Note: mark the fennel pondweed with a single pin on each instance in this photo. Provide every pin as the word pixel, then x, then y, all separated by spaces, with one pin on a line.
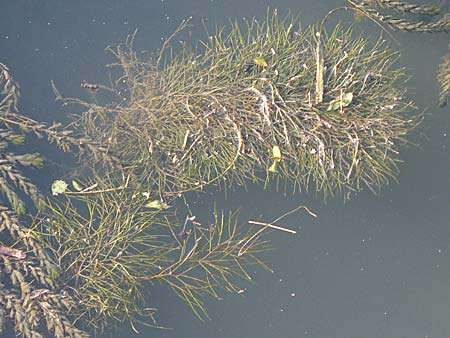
pixel 204 116
pixel 109 245
pixel 330 104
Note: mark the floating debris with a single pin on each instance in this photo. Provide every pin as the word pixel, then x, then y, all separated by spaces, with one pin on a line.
pixel 4 250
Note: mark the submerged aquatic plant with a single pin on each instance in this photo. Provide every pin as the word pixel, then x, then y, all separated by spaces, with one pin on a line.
pixel 13 127
pixel 30 297
pixel 373 9
pixel 370 9
pixel 444 80
pixel 209 257
pixel 256 101
pixel 12 178
pixel 332 102
pixel 101 242
pixel 109 244
pixel 86 259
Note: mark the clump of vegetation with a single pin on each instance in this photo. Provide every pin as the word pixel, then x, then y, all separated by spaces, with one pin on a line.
pixel 86 259
pixel 258 101
pixel 422 23
pixel 444 80
pixel 330 102
pixel 111 240
pixel 376 10
pixel 30 296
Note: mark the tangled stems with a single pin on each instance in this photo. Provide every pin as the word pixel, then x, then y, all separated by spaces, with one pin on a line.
pixel 213 115
pixel 109 244
pixel 444 80
pixel 12 128
pixel 30 295
pixel 325 107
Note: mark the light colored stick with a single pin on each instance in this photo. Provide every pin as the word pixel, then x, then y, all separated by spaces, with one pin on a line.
pixel 273 226
pixel 7 251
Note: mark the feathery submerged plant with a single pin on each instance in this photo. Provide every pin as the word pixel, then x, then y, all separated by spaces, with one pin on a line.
pixel 375 10
pixel 12 178
pixel 30 297
pixel 444 80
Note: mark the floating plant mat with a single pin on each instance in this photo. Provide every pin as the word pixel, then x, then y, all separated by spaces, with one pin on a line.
pixel 332 103
pixel 110 242
pixel 258 101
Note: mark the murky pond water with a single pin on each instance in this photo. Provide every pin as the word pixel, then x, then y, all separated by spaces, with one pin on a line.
pixel 374 266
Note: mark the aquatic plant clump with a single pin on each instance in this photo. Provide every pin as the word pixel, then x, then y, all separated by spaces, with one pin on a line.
pixel 375 10
pixel 444 80
pixel 331 102
pixel 101 242
pixel 111 240
pixel 32 303
pixel 13 181
pixel 30 297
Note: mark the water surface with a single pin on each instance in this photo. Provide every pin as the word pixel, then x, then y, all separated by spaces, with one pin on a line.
pixel 375 266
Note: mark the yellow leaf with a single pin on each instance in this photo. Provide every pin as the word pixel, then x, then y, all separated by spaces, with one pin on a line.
pixel 276 153
pixel 156 204
pixel 260 61
pixel 343 101
pixel 76 185
pixel 273 168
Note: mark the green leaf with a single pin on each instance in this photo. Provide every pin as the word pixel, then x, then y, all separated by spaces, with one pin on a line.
pixel 274 168
pixel 20 209
pixel 37 161
pixel 347 99
pixel 435 10
pixel 17 139
pixel 334 105
pixel 59 187
pixel 76 185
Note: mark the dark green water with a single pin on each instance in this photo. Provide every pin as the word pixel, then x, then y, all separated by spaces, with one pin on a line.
pixel 375 266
